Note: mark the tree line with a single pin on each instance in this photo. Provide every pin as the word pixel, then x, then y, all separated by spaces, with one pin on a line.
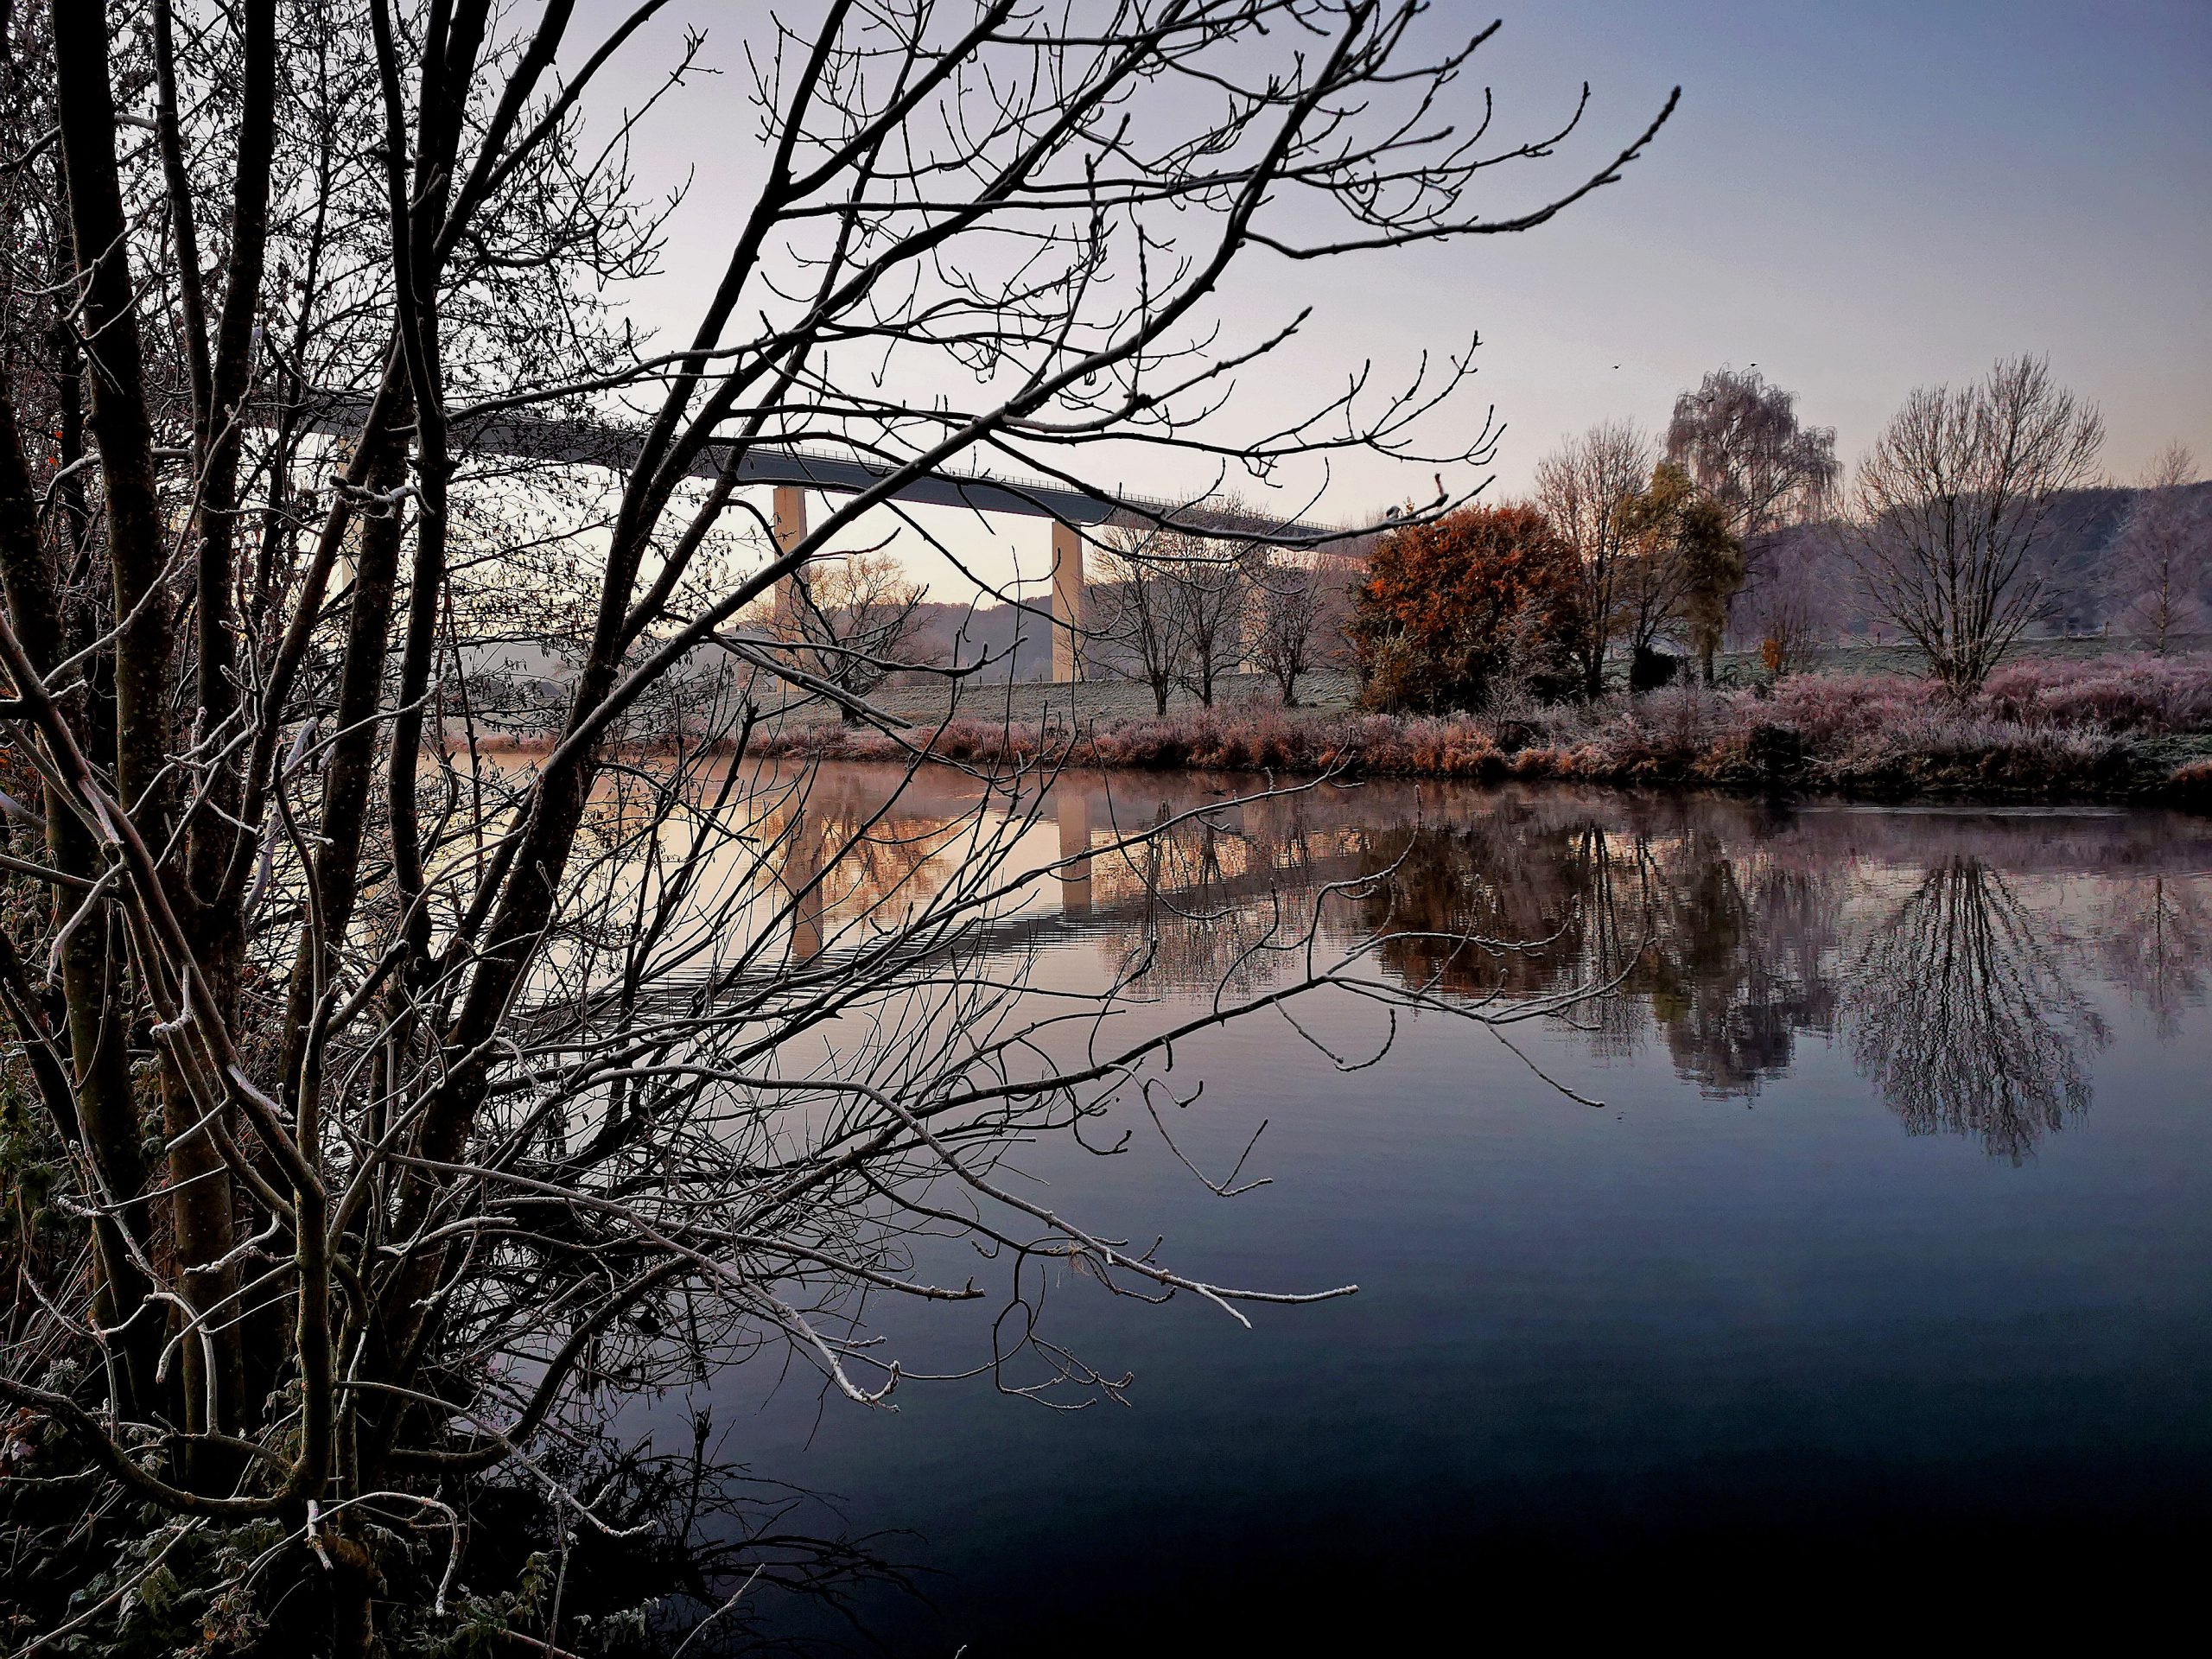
pixel 1648 555
pixel 1636 558
pixel 1175 609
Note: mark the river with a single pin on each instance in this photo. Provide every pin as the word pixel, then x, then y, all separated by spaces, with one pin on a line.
pixel 1854 1238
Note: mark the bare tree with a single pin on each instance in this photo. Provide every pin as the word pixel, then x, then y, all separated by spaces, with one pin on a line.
pixel 1739 439
pixel 2157 567
pixel 1211 591
pixel 398 1097
pixel 1172 607
pixel 856 618
pixel 1585 487
pixel 1952 499
pixel 1135 622
pixel 1293 605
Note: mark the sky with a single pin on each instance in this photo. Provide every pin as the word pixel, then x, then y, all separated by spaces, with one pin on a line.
pixel 1856 196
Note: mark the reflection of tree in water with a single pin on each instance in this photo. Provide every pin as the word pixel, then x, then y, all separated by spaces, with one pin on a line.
pixel 1726 943
pixel 1540 891
pixel 1963 1017
pixel 1727 952
pixel 1742 961
pixel 1721 930
pixel 2156 940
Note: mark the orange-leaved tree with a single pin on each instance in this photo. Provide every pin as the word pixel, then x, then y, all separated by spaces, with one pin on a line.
pixel 1454 609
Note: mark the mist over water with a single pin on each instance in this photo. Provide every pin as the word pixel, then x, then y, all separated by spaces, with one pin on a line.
pixel 1863 1218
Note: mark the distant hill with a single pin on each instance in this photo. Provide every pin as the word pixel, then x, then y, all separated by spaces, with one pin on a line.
pixel 2070 556
pixel 1012 641
pixel 1809 562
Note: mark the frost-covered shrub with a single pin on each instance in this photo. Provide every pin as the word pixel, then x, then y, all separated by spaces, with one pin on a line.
pixel 2151 695
pixel 2037 728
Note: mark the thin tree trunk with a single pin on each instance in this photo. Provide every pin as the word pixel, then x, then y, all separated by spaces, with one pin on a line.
pixel 92 971
pixel 120 421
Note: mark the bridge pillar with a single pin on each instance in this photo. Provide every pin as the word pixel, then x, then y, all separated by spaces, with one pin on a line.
pixel 789 518
pixel 1067 603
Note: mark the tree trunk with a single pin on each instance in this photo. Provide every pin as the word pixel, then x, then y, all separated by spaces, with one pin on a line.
pixel 92 966
pixel 120 421
pixel 91 970
pixel 353 1590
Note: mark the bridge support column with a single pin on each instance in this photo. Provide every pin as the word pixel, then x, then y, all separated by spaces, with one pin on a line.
pixel 789 514
pixel 1067 603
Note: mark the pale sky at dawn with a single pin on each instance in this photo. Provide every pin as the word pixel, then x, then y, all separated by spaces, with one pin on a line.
pixel 1856 195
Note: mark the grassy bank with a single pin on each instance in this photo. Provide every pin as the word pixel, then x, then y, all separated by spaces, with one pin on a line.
pixel 2112 728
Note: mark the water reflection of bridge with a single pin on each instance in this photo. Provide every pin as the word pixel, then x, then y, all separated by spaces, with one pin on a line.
pixel 1951 956
pixel 1214 857
pixel 1122 856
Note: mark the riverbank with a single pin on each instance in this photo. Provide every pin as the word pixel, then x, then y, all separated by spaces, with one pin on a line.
pixel 2114 729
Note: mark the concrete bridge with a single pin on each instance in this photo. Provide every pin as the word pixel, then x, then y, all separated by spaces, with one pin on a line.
pixel 793 472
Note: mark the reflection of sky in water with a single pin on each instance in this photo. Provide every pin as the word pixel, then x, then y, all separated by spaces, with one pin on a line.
pixel 1615 1337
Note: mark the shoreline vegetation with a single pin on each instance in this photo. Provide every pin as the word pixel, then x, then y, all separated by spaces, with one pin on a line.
pixel 2116 729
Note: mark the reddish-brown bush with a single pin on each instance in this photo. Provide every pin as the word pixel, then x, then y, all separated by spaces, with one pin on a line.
pixel 1450 608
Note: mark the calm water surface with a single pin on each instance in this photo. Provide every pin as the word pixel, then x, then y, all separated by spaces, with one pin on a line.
pixel 1879 1275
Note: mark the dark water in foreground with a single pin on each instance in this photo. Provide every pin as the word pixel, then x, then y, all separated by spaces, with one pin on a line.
pixel 1879 1281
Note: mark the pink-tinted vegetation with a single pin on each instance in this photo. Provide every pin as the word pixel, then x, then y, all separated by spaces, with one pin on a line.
pixel 2047 729
pixel 2154 696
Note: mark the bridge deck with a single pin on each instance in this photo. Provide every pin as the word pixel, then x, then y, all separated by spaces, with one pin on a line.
pixel 614 445
pixel 793 470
